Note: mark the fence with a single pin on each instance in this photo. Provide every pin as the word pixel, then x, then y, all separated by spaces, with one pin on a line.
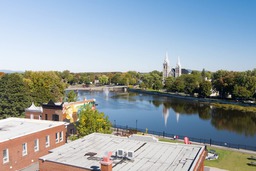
pixel 126 130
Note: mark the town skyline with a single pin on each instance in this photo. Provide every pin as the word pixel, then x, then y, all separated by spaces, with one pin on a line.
pixel 109 36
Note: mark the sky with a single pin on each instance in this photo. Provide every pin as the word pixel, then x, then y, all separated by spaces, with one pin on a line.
pixel 127 35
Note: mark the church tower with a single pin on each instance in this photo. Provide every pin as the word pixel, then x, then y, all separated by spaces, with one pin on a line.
pixel 166 68
pixel 178 68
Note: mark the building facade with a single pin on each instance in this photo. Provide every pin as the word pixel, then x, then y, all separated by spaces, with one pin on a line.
pixel 23 141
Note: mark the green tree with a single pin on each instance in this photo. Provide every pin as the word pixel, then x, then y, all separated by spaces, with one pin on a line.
pixel 168 83
pixel 191 82
pixel 44 86
pixel 205 89
pixel 14 96
pixel 103 79
pixel 241 92
pixel 116 79
pixel 178 85
pixel 92 121
pixel 71 96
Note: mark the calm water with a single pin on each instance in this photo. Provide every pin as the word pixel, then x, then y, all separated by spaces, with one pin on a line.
pixel 176 116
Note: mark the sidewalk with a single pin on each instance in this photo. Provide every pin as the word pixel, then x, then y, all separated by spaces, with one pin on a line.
pixel 207 168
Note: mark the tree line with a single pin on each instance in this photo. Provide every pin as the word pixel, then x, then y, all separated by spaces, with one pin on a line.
pixel 238 85
pixel 19 90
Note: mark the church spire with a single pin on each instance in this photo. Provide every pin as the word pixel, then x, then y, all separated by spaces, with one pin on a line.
pixel 166 69
pixel 166 58
pixel 178 68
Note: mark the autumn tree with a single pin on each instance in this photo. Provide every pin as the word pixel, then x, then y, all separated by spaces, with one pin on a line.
pixel 92 121
pixel 44 86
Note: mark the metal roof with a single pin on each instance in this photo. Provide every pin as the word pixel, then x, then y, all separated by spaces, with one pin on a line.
pixel 11 128
pixel 148 155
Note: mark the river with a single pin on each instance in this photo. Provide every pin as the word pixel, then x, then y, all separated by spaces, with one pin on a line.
pixel 176 116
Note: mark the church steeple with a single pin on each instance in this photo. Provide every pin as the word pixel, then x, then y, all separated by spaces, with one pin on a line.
pixel 166 69
pixel 178 68
pixel 166 58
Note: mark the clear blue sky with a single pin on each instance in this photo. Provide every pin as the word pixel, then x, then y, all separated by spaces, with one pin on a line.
pixel 123 35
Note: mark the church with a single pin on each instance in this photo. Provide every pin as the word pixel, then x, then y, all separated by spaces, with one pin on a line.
pixel 172 72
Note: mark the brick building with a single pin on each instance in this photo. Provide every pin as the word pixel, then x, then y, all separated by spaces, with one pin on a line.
pixel 60 111
pixel 23 141
pixel 109 152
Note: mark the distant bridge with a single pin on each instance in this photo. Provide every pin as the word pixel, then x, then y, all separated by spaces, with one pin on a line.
pixel 100 88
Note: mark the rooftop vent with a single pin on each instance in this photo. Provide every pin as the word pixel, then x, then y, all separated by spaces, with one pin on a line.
pixel 130 155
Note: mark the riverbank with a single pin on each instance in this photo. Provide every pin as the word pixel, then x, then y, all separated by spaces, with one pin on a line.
pixel 219 103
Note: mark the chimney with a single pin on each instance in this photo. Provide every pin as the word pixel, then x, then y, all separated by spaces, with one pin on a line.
pixel 106 163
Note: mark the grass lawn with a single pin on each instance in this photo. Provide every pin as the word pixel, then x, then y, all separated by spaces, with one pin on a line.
pixel 231 160
pixel 228 159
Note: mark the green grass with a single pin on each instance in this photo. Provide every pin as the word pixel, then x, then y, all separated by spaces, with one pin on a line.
pixel 228 159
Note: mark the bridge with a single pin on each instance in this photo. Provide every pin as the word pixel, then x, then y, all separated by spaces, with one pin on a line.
pixel 98 88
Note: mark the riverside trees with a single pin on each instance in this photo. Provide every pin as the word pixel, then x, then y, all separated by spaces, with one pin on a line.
pixel 92 121
pixel 19 90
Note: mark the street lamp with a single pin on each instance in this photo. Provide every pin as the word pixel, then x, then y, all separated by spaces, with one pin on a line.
pixel 136 124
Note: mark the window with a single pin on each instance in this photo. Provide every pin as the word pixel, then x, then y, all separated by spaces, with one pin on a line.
pixel 47 141
pixel 55 117
pixel 36 144
pixel 46 117
pixel 5 156
pixel 57 137
pixel 24 149
pixel 61 136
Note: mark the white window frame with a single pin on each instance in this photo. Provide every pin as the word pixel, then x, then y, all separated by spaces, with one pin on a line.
pixel 36 145
pixel 5 155
pixel 57 137
pixel 47 141
pixel 61 136
pixel 24 149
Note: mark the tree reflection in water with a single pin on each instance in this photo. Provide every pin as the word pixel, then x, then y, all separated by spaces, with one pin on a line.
pixel 231 120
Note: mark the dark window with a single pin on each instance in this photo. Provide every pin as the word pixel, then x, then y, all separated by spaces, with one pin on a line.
pixel 46 117
pixel 55 117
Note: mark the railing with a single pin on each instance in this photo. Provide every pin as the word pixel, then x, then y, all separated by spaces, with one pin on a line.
pixel 126 130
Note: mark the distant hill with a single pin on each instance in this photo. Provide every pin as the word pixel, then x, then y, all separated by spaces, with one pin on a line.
pixel 10 71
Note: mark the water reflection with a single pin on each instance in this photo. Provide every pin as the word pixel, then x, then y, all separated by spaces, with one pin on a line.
pixel 242 123
pixel 192 118
pixel 177 117
pixel 165 115
pixel 235 121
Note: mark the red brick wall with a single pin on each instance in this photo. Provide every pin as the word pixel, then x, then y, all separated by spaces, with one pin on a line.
pixel 50 112
pixel 200 162
pixel 51 166
pixel 36 114
pixel 16 160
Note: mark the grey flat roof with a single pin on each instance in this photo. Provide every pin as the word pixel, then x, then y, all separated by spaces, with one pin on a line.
pixel 11 128
pixel 147 155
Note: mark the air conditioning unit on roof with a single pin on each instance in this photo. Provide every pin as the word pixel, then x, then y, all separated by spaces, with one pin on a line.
pixel 130 155
pixel 120 153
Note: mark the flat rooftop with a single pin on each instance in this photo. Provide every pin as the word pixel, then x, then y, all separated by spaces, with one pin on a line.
pixel 11 128
pixel 148 155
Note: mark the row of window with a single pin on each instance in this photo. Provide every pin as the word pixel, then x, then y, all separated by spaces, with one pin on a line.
pixel 58 138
